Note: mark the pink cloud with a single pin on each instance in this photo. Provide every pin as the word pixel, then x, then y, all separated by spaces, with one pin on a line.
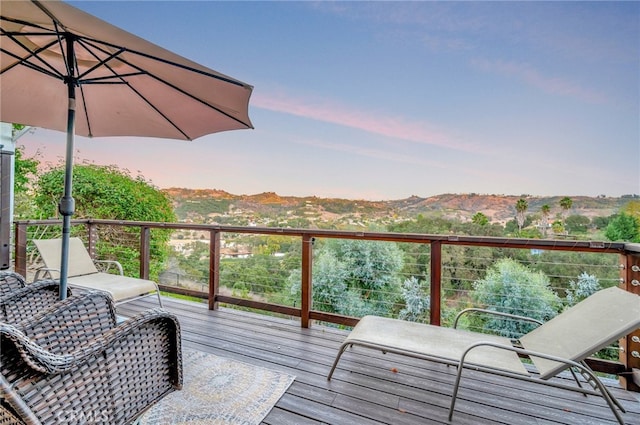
pixel 531 76
pixel 385 125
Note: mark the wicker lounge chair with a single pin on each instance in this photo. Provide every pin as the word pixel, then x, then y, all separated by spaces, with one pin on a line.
pixel 557 345
pixel 83 273
pixel 71 363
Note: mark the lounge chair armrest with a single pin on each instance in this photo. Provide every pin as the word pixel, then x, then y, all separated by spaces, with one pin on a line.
pixel 105 265
pixel 520 351
pixel 44 272
pixel 494 313
pixel 129 335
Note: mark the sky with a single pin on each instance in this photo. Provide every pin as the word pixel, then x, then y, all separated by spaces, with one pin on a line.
pixel 385 100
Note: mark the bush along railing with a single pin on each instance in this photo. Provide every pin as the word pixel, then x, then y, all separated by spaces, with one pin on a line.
pixel 336 277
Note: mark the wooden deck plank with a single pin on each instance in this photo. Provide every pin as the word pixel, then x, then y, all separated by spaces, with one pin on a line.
pixel 369 387
pixel 279 416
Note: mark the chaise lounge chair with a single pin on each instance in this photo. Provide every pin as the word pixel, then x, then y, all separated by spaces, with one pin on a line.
pixel 83 273
pixel 72 363
pixel 562 343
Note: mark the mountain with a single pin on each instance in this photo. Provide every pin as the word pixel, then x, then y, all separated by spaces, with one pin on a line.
pixel 213 205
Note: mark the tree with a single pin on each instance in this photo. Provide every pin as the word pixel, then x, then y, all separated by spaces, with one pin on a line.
pixel 632 208
pixel 577 224
pixel 354 277
pixel 557 227
pixel 106 192
pixel 329 283
pixel 510 287
pixel 545 210
pixel 373 269
pixel 480 219
pixel 601 222
pixel 416 301
pixel 623 227
pixel 260 274
pixel 566 203
pixel 26 170
pixel 521 209
pixel 585 286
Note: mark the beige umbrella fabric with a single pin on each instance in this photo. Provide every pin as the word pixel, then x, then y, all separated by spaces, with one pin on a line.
pixel 64 69
pixel 127 85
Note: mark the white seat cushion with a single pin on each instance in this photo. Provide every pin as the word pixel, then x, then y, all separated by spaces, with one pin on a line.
pixel 120 287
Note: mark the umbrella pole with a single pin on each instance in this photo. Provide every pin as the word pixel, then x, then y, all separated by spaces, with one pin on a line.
pixel 67 203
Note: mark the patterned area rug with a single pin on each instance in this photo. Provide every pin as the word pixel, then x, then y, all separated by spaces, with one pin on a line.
pixel 219 391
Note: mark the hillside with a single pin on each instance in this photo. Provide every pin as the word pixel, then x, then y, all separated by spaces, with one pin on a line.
pixel 213 205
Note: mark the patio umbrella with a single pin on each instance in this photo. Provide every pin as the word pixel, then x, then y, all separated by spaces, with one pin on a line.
pixel 64 69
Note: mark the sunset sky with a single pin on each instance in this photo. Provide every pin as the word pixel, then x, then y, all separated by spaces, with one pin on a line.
pixel 384 100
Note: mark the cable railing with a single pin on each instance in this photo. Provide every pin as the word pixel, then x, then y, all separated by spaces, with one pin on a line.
pixel 336 277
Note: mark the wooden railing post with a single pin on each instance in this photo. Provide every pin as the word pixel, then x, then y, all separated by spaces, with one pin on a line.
pixel 21 249
pixel 630 345
pixel 145 250
pixel 307 255
pixel 436 282
pixel 214 269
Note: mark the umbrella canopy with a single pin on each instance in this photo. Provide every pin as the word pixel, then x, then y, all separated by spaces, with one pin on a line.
pixel 63 69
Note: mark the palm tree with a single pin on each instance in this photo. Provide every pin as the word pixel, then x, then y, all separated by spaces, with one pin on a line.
pixel 544 223
pixel 521 208
pixel 566 203
pixel 480 219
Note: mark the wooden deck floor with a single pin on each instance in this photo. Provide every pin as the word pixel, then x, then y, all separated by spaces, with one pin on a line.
pixel 373 388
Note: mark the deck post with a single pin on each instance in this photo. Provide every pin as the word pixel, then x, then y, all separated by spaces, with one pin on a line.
pixel 307 253
pixel 630 345
pixel 436 282
pixel 21 249
pixel 214 269
pixel 145 250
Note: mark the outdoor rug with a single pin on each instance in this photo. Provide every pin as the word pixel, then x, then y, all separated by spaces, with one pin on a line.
pixel 219 391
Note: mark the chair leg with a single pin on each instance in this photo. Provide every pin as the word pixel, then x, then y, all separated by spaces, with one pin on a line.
pixel 454 396
pixel 342 349
pixel 611 400
pixel 575 378
pixel 590 375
